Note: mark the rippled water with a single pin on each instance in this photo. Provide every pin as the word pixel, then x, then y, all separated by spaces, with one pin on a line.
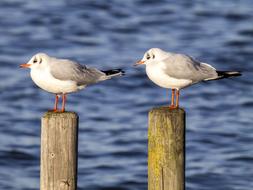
pixel 113 114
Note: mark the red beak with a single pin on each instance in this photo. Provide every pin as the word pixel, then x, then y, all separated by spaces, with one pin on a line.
pixel 25 65
pixel 139 63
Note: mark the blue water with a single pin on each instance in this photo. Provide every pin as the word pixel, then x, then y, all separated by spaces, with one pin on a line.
pixel 113 114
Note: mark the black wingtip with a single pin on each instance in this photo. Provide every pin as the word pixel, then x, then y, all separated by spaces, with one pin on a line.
pixel 114 71
pixel 228 74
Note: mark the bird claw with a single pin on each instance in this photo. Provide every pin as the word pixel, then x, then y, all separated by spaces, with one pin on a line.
pixel 172 107
pixel 54 110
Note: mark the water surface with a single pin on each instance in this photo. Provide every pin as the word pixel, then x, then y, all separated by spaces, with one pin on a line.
pixel 113 114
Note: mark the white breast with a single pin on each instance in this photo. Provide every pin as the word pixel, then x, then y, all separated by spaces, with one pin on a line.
pixel 159 77
pixel 44 79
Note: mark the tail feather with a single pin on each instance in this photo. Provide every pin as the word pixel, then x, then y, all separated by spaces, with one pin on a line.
pixel 225 74
pixel 114 72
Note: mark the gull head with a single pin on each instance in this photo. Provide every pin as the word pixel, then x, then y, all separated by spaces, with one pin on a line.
pixel 152 55
pixel 40 60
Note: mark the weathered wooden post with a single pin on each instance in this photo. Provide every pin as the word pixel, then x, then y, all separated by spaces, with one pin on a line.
pixel 166 149
pixel 59 136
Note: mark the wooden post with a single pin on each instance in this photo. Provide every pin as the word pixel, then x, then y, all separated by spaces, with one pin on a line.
pixel 166 149
pixel 58 169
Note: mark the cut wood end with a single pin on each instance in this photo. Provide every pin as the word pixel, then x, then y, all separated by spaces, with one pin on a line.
pixel 166 109
pixel 66 114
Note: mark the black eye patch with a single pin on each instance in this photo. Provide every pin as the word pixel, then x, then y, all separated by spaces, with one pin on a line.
pixel 148 56
pixel 37 60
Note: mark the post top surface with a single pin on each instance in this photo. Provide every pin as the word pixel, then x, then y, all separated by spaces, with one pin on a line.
pixel 166 109
pixel 66 114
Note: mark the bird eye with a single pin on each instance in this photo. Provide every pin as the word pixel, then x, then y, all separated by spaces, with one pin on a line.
pixel 148 56
pixel 35 60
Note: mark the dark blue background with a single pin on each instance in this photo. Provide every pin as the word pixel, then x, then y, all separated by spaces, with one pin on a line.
pixel 113 114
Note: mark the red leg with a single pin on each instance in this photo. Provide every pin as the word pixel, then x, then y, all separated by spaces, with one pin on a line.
pixel 64 96
pixel 56 103
pixel 172 105
pixel 177 99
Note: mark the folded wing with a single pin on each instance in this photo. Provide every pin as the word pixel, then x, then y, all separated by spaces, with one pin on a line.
pixel 181 66
pixel 64 69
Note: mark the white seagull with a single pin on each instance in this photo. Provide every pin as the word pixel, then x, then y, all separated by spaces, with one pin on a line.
pixel 63 76
pixel 176 71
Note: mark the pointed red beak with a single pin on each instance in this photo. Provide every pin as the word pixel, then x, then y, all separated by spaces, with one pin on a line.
pixel 25 65
pixel 139 63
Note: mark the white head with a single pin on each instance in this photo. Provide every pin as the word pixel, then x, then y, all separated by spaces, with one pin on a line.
pixel 153 55
pixel 40 60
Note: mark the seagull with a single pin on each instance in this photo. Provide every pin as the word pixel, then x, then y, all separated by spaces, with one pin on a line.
pixel 177 71
pixel 63 76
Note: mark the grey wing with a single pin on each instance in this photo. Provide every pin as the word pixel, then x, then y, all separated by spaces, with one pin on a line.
pixel 64 69
pixel 181 66
pixel 93 75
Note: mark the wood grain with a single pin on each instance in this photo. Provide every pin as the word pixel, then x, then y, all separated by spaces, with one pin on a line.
pixel 166 149
pixel 59 137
